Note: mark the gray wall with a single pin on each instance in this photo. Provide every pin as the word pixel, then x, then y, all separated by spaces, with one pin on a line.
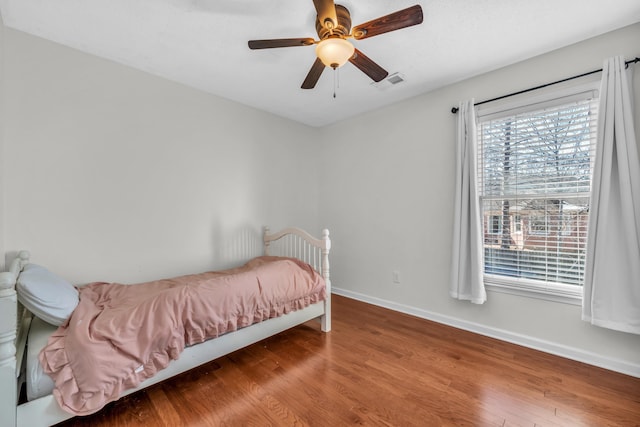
pixel 387 196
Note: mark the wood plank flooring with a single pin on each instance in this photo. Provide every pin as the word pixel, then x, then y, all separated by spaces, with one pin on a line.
pixel 382 368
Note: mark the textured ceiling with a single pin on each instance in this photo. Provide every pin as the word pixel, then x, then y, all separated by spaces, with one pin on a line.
pixel 203 43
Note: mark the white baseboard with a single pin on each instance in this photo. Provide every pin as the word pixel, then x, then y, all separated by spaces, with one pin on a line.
pixel 572 353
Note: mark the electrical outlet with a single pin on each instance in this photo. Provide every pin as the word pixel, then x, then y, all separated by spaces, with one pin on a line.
pixel 395 274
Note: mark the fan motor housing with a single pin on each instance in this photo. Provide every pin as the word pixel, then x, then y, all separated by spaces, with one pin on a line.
pixel 343 28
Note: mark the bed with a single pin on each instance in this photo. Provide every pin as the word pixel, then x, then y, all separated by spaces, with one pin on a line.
pixel 23 335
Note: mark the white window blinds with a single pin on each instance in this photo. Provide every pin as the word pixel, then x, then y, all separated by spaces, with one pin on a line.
pixel 534 179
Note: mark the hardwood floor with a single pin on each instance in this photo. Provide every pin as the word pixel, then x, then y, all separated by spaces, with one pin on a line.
pixel 382 368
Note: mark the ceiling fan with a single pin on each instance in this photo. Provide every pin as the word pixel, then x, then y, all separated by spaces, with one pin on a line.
pixel 333 25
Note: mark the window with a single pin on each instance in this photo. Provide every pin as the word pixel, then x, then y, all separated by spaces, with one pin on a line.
pixel 538 224
pixel 517 224
pixel 534 176
pixel 495 226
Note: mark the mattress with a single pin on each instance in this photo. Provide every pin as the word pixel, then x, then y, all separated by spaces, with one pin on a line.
pixel 38 383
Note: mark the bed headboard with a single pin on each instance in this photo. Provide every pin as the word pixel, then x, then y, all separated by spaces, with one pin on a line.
pixel 10 310
pixel 297 243
pixel 10 323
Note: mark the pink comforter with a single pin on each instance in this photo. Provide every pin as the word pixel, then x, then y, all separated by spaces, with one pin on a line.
pixel 120 335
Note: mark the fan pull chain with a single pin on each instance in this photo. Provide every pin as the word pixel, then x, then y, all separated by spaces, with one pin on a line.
pixel 334 82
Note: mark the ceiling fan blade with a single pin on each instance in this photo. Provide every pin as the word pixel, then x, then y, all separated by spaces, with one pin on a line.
pixel 368 67
pixel 314 75
pixel 268 44
pixel 327 15
pixel 394 21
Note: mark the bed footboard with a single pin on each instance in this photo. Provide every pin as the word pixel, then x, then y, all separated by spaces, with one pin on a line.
pixel 297 243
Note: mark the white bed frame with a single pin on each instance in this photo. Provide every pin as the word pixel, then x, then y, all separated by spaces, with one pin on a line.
pixel 15 322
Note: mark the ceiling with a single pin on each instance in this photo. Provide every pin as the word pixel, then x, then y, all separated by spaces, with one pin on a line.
pixel 203 44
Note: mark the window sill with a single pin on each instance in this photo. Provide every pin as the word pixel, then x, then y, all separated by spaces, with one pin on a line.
pixel 522 288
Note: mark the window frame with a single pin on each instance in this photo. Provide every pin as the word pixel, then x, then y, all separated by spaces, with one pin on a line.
pixel 551 291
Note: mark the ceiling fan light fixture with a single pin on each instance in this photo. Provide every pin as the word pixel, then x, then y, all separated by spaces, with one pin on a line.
pixel 334 52
pixel 333 26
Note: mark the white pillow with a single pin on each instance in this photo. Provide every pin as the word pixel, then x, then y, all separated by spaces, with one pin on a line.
pixel 46 295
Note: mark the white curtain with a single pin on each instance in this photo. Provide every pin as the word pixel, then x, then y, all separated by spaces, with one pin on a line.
pixel 612 276
pixel 466 275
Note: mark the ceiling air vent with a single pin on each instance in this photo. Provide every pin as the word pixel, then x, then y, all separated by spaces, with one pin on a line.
pixel 395 78
pixel 391 80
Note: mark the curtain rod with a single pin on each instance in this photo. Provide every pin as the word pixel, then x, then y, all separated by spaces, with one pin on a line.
pixel 454 110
